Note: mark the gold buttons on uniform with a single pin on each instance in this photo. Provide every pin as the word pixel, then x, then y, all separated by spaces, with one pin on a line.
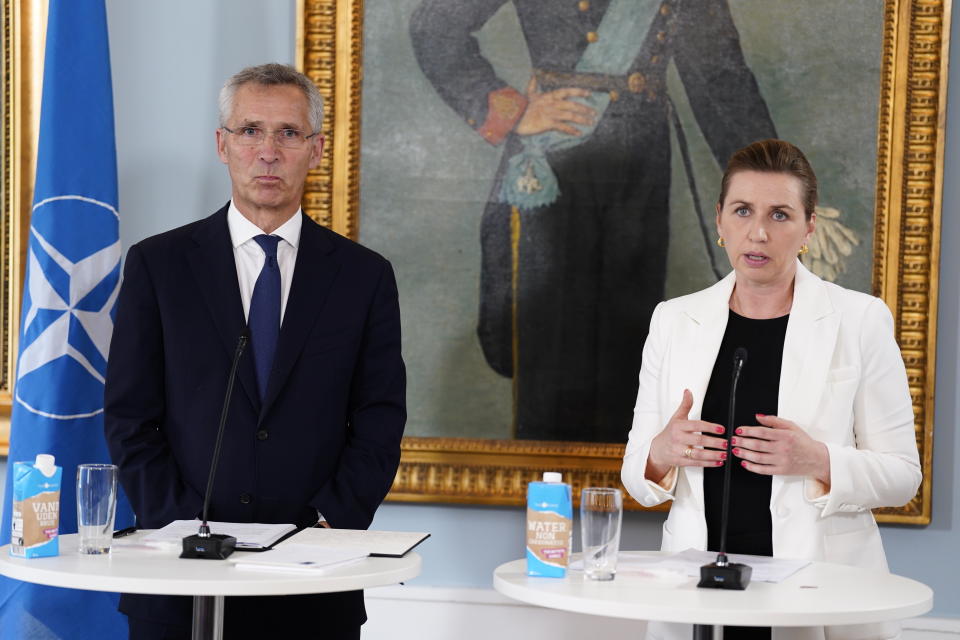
pixel 636 82
pixel 592 36
pixel 584 5
pixel 471 122
pixel 614 95
pixel 664 9
pixel 661 36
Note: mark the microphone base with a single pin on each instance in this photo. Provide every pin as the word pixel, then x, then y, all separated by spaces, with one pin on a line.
pixel 213 547
pixel 732 576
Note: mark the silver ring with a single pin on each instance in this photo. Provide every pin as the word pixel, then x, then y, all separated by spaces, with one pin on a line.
pixel 688 452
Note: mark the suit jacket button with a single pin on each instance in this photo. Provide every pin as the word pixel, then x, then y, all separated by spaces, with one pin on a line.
pixel 262 434
pixel 245 498
pixel 584 5
pixel 592 36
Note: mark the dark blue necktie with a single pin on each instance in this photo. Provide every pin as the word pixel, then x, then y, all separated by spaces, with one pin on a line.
pixel 264 317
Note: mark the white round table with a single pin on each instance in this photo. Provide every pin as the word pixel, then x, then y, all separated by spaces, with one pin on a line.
pixel 819 594
pixel 135 568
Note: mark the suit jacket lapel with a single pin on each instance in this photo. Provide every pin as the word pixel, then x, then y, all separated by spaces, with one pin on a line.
pixel 807 353
pixel 706 317
pixel 314 273
pixel 213 265
pixel 807 349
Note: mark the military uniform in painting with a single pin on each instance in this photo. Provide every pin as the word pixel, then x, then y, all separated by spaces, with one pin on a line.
pixel 567 289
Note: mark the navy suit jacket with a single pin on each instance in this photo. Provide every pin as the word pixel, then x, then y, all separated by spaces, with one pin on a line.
pixel 326 436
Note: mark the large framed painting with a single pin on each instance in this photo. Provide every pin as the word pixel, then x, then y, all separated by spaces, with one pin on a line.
pixel 526 281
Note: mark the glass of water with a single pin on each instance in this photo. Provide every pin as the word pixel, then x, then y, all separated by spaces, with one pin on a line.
pixel 601 511
pixel 96 506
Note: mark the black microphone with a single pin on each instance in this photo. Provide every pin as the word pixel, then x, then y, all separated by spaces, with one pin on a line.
pixel 203 544
pixel 724 574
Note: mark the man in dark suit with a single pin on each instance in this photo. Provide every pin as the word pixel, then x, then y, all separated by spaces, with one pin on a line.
pixel 314 427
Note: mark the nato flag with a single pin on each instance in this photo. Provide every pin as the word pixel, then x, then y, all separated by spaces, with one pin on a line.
pixel 72 280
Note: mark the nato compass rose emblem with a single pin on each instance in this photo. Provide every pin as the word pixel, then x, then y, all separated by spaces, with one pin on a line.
pixel 73 277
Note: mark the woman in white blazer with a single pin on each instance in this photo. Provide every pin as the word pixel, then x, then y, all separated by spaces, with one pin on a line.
pixel 840 439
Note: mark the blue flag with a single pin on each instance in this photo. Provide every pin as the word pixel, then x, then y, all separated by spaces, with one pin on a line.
pixel 72 281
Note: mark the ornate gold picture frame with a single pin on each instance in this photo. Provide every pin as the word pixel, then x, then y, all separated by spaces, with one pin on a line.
pixel 910 150
pixel 23 28
pixel 480 471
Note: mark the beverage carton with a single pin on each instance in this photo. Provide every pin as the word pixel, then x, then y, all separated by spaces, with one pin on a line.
pixel 36 508
pixel 549 526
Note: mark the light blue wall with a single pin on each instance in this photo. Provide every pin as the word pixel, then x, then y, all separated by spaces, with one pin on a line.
pixel 169 59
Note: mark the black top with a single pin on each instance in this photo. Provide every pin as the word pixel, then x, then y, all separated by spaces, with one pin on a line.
pixel 749 529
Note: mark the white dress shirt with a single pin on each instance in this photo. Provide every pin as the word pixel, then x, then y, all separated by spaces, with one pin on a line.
pixel 250 257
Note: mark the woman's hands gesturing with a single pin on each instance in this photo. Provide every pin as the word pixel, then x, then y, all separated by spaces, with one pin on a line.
pixel 685 443
pixel 779 447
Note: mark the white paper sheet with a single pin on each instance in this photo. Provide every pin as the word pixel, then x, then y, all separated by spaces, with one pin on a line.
pixel 380 543
pixel 249 535
pixel 300 558
pixel 686 564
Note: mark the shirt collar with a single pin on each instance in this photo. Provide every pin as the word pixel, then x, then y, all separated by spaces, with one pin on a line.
pixel 242 230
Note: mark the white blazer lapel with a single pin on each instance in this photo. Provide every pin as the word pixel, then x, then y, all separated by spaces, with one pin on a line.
pixel 807 353
pixel 696 350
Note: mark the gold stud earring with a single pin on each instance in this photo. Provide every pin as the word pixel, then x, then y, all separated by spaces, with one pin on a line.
pixel 720 242
pixel 804 249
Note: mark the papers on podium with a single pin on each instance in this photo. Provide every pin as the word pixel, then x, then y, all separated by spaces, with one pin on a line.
pixel 319 549
pixel 251 536
pixel 384 544
pixel 299 558
pixel 678 567
pixel 765 568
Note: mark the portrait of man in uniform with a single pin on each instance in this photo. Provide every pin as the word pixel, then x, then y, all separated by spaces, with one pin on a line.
pixel 544 173
pixel 575 233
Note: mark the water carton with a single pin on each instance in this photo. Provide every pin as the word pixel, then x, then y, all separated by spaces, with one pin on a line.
pixel 549 526
pixel 36 508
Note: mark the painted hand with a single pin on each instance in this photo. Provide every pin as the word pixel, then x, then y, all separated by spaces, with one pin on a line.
pixel 554 111
pixel 780 447
pixel 685 443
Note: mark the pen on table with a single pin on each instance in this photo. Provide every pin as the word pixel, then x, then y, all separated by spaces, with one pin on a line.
pixel 124 532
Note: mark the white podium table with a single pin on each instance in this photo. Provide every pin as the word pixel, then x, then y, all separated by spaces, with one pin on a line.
pixel 133 568
pixel 819 594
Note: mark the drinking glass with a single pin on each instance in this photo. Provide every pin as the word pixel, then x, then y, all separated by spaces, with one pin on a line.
pixel 96 506
pixel 601 511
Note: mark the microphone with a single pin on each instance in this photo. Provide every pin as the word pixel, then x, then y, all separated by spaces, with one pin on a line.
pixel 724 574
pixel 204 544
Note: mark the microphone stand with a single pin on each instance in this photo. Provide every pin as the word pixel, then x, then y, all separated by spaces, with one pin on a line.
pixel 724 574
pixel 204 544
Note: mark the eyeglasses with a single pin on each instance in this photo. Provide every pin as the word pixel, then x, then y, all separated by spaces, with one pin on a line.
pixel 254 137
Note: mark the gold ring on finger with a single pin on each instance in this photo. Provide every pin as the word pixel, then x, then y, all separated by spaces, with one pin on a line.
pixel 688 452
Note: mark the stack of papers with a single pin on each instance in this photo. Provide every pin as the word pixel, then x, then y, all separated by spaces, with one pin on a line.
pixel 251 536
pixel 686 564
pixel 300 558
pixel 765 568
pixel 384 544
